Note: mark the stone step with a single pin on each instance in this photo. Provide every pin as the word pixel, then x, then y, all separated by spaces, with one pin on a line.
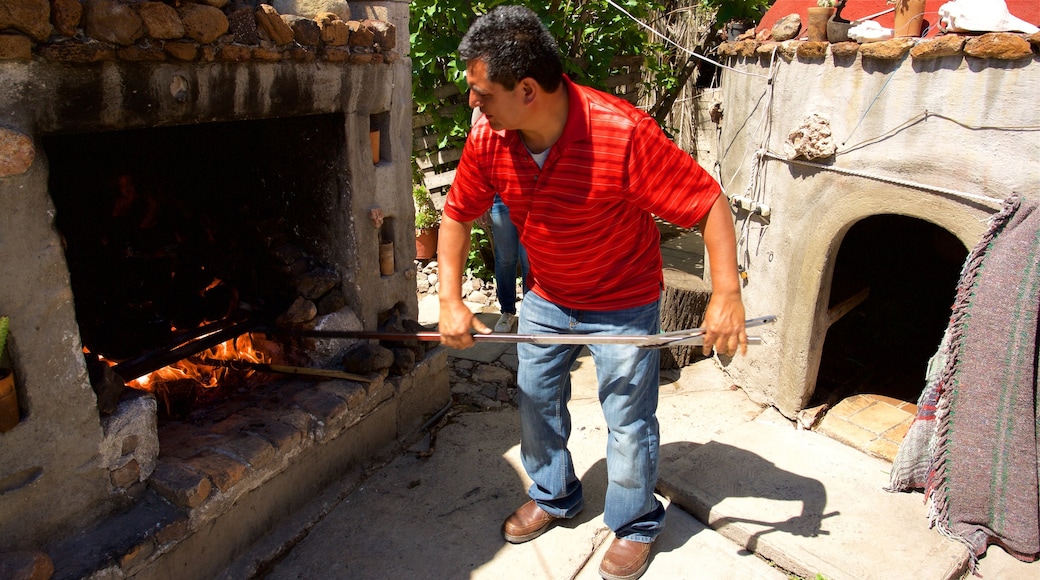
pixel 809 504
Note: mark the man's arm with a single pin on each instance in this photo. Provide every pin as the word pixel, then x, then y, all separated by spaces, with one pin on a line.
pixel 724 317
pixel 456 319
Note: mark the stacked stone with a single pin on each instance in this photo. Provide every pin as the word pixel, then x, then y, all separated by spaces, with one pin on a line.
pixel 191 30
pixel 999 46
pixel 474 289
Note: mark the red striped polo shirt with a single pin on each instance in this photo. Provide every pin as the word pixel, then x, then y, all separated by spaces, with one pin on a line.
pixel 586 217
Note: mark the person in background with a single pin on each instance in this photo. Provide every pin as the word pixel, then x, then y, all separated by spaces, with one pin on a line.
pixel 508 253
pixel 583 174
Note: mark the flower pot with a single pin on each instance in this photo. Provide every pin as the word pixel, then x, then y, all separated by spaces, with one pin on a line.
pixel 373 141
pixel 386 258
pixel 8 401
pixel 426 243
pixel 817 22
pixel 909 17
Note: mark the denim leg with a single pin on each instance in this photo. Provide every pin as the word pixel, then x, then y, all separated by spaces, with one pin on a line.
pixel 545 422
pixel 508 252
pixel 628 382
pixel 629 378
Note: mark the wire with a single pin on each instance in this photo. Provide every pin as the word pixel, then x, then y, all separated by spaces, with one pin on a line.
pixel 677 45
pixel 994 202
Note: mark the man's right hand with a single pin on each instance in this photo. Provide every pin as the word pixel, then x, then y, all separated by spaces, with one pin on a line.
pixel 456 322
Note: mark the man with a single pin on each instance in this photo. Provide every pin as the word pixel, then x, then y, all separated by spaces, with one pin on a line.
pixel 583 173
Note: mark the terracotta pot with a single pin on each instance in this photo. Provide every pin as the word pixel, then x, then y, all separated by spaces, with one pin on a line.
pixel 817 22
pixel 386 258
pixel 373 140
pixel 909 17
pixel 8 401
pixel 426 243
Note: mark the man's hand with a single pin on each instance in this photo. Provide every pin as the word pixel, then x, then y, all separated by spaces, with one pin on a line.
pixel 724 325
pixel 456 321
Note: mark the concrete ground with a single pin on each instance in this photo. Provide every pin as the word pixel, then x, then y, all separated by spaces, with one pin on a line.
pixel 748 496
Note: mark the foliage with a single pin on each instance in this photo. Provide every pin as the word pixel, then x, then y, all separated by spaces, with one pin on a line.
pixel 826 3
pixel 4 323
pixel 590 34
pixel 426 214
pixel 749 11
pixel 479 250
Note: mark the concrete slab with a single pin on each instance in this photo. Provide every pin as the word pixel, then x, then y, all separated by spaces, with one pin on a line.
pixel 438 514
pixel 809 504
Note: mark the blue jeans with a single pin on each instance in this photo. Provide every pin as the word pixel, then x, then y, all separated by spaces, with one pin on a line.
pixel 508 252
pixel 628 380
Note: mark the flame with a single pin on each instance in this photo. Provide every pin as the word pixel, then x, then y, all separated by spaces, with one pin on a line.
pixel 241 349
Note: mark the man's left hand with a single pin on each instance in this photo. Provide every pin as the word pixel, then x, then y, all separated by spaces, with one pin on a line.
pixel 724 325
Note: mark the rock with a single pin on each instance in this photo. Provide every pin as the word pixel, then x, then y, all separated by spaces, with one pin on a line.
pixel 745 48
pixel 367 358
pixel 998 45
pixel 312 8
pixel 787 27
pixel 160 21
pixel 766 49
pixel 236 53
pixel 182 50
pixel 26 565
pixel 812 50
pixel 112 22
pixel 242 24
pixel 317 282
pixel 384 34
pixel 305 30
pixel 843 50
pixel 141 53
pixel 893 49
pixel 15 47
pixel 203 24
pixel 334 32
pixel 16 151
pixel 811 140
pixel 77 52
pixel 946 45
pixel 33 17
pixel 789 49
pixel 271 23
pixel 301 310
pixel 65 16
pixel 360 35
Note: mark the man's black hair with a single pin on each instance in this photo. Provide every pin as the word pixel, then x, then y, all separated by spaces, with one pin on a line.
pixel 514 45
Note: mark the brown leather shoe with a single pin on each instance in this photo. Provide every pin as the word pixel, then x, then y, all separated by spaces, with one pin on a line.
pixel 625 560
pixel 526 523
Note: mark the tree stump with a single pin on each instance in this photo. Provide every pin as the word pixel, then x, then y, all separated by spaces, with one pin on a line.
pixel 683 303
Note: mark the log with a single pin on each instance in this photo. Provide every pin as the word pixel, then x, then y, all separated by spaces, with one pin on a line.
pixel 683 303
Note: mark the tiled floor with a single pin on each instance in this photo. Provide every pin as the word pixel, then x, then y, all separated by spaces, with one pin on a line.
pixel 874 424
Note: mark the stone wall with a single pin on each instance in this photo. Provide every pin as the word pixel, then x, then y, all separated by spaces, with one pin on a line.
pixel 71 67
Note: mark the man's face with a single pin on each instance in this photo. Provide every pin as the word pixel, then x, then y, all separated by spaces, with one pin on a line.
pixel 503 108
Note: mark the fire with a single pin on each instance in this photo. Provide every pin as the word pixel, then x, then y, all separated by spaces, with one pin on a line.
pixel 200 368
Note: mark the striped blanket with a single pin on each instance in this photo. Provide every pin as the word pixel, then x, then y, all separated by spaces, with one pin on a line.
pixel 974 445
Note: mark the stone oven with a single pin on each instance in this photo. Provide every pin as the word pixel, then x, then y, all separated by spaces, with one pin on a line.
pixel 174 176
pixel 860 176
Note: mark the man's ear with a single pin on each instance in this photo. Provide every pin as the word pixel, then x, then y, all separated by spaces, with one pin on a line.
pixel 530 89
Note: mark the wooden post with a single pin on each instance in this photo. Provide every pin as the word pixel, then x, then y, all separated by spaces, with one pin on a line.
pixel 683 302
